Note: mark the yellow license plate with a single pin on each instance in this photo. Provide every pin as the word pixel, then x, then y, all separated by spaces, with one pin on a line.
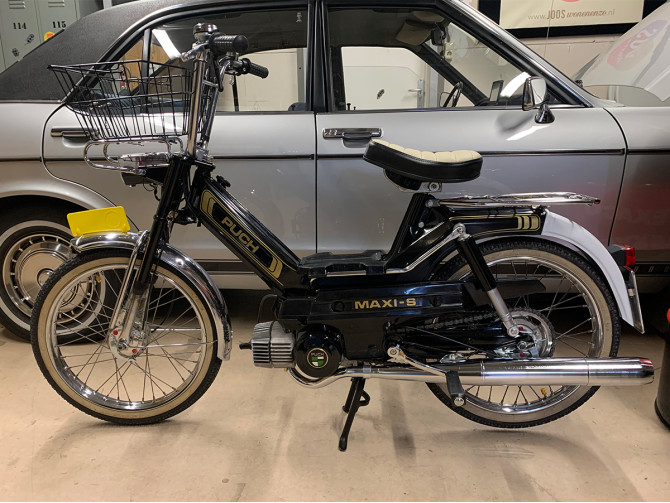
pixel 98 221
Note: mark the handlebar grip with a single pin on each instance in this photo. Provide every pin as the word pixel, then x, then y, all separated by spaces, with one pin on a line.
pixel 254 69
pixel 222 44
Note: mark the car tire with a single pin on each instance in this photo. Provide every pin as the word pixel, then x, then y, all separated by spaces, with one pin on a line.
pixel 34 241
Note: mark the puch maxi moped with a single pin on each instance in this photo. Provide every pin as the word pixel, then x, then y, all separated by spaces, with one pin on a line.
pixel 510 313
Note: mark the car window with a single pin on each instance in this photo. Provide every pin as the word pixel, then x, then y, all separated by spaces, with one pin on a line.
pixel 277 40
pixel 403 59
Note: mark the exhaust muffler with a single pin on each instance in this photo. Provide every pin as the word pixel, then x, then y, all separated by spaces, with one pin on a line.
pixel 533 372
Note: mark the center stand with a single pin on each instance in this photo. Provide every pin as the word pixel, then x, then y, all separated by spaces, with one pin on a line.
pixel 356 398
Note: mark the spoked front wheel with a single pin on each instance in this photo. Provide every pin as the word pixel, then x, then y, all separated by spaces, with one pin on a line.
pixel 161 376
pixel 577 309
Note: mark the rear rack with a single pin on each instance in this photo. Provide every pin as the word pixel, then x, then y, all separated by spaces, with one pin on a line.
pixel 528 199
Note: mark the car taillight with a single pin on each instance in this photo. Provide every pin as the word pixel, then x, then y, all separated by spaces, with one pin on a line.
pixel 630 256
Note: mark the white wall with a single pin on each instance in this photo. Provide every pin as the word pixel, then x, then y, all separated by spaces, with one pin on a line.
pixel 569 54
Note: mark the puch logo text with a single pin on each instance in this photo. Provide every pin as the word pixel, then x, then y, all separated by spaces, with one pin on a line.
pixel 242 237
pixel 385 303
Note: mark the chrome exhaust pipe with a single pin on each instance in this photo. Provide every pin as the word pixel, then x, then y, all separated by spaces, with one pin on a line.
pixel 538 372
pixel 558 371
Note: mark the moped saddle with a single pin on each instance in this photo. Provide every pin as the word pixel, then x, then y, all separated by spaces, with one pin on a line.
pixel 409 168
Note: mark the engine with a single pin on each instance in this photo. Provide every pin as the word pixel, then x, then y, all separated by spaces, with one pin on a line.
pixel 272 346
pixel 316 351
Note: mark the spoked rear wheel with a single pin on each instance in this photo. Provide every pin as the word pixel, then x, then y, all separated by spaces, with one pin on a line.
pixel 578 307
pixel 165 374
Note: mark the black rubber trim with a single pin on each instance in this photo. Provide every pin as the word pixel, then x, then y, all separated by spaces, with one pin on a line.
pixel 509 153
pixel 614 151
pixel 413 168
pixel 309 157
pixel 25 159
pixel 649 151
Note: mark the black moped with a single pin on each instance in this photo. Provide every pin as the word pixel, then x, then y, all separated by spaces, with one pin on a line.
pixel 510 313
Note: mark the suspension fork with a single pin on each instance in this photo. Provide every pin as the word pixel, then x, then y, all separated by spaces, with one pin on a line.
pixel 468 247
pixel 127 326
pixel 170 197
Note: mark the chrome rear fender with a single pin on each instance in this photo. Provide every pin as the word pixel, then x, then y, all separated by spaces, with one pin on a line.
pixel 174 258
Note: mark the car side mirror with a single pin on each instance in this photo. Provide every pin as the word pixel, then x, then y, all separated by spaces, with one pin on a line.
pixel 535 96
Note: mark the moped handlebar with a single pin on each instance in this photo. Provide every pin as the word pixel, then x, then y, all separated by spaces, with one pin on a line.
pixel 221 44
pixel 244 66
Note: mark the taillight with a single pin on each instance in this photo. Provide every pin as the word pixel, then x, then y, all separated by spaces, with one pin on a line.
pixel 630 256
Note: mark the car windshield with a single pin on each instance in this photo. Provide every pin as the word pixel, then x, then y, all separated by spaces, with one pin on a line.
pixel 635 71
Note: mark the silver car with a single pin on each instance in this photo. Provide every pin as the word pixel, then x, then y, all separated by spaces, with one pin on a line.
pixel 434 76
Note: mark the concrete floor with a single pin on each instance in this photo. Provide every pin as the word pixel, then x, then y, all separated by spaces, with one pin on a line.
pixel 255 435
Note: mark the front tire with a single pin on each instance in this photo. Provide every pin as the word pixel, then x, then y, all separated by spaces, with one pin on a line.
pixel 577 303
pixel 173 367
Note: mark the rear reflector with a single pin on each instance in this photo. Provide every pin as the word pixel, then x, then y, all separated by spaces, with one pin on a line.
pixel 630 256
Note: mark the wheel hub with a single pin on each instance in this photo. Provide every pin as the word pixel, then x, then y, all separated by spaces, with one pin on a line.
pixel 43 276
pixel 535 333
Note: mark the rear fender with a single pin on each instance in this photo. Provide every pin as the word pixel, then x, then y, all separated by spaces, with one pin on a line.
pixel 193 272
pixel 491 225
pixel 557 227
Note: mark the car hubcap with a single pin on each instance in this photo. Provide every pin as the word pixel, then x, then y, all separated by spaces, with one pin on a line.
pixel 29 263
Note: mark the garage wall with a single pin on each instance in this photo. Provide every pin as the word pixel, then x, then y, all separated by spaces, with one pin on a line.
pixel 569 54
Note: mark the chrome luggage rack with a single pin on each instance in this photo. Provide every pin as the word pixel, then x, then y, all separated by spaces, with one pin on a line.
pixel 529 199
pixel 136 164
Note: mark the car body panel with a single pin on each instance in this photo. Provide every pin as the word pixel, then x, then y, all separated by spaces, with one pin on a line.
pixel 519 156
pixel 643 214
pixel 274 177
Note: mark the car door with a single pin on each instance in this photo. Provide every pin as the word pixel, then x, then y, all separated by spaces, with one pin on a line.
pixel 369 53
pixel 263 140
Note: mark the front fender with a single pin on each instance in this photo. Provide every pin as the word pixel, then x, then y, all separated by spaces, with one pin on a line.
pixel 560 228
pixel 193 272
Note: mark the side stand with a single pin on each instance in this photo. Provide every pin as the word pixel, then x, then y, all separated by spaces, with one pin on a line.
pixel 356 398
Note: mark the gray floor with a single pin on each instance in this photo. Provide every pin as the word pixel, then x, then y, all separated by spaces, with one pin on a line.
pixel 255 435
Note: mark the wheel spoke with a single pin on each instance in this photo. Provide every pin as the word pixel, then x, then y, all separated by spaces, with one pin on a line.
pixel 169 359
pixel 574 307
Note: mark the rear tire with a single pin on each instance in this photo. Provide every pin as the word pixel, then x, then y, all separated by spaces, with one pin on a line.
pixel 174 366
pixel 581 309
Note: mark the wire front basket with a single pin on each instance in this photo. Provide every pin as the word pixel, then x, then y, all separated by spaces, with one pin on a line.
pixel 128 100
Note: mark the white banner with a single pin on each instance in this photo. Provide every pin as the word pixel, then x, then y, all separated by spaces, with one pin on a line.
pixel 543 13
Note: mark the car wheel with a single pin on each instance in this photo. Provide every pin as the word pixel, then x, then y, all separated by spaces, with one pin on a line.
pixel 33 243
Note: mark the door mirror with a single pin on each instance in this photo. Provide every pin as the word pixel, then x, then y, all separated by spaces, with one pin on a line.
pixel 535 96
pixel 534 93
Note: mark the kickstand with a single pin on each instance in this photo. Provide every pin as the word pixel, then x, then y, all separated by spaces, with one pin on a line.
pixel 356 398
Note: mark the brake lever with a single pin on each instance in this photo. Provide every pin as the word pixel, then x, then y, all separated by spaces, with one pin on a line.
pixel 216 69
pixel 223 71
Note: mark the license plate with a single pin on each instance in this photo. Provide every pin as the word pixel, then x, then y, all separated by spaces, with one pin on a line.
pixel 98 221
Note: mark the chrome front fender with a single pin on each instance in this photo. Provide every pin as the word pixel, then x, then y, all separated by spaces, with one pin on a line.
pixel 193 272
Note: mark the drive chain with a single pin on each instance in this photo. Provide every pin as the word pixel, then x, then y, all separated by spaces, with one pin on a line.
pixel 449 323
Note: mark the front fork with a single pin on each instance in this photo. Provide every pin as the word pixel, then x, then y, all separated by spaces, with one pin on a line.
pixel 468 248
pixel 128 335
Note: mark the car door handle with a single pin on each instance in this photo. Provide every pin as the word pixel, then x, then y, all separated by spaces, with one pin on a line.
pixel 68 133
pixel 352 134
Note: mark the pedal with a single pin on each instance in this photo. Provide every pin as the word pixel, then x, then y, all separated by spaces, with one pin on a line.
pixel 455 388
